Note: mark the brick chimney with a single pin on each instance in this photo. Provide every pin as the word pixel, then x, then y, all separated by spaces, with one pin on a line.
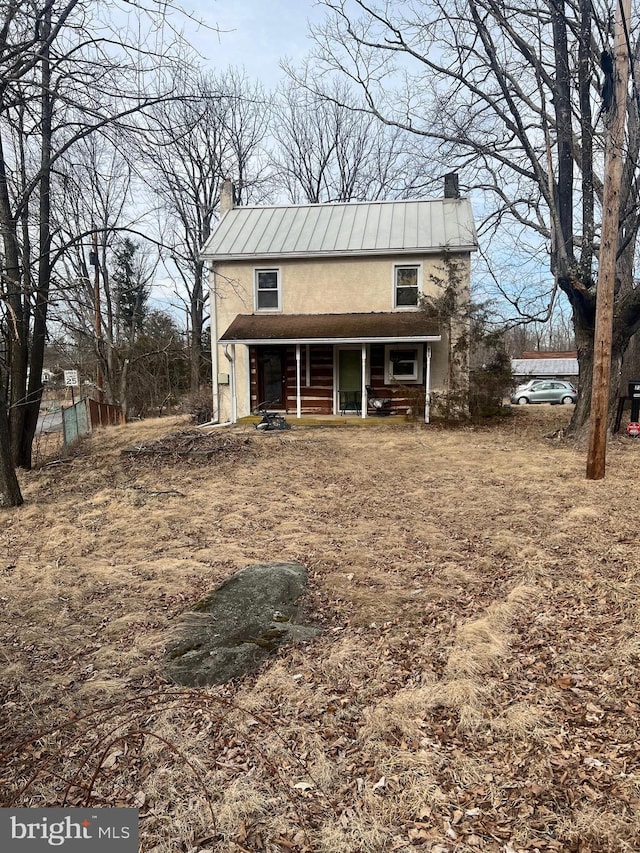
pixel 451 185
pixel 226 196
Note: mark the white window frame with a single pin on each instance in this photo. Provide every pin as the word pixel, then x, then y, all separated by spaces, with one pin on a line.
pixel 256 291
pixel 416 377
pixel 394 284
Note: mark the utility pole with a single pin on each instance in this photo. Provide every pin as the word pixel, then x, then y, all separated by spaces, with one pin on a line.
pixel 614 149
pixel 98 314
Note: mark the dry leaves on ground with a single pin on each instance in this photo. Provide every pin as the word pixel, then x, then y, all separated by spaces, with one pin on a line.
pixel 475 687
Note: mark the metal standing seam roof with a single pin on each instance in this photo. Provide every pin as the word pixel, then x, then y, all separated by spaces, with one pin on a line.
pixel 353 228
pixel 316 328
pixel 539 367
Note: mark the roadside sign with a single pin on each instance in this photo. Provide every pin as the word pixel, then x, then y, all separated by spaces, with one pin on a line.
pixel 71 378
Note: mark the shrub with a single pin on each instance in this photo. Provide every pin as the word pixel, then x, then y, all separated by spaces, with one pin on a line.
pixel 199 405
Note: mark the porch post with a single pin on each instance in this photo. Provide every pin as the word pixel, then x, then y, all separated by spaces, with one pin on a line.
pixel 363 391
pixel 234 400
pixel 298 399
pixel 427 385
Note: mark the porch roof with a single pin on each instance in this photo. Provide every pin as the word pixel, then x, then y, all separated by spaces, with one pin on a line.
pixel 377 327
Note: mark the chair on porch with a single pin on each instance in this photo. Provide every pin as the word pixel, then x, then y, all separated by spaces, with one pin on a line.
pixel 350 401
pixel 380 405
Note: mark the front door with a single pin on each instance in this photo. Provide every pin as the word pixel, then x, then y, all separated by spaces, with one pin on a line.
pixel 271 377
pixel 349 380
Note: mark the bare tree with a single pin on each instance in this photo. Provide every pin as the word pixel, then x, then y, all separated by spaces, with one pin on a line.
pixel 191 146
pixel 95 207
pixel 107 267
pixel 67 71
pixel 517 95
pixel 556 335
pixel 326 151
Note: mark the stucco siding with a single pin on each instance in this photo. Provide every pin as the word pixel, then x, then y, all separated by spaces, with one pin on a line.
pixel 320 286
pixel 331 286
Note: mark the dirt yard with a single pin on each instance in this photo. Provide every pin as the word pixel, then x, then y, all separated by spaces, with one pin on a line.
pixel 475 686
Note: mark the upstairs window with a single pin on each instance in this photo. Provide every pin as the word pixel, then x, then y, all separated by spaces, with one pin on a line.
pixel 406 285
pixel 268 290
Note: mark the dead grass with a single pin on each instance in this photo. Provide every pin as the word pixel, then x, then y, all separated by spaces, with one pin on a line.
pixel 475 686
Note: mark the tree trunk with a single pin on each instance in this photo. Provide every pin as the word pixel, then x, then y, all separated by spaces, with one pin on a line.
pixel 623 345
pixel 562 103
pixel 123 383
pixel 195 351
pixel 631 364
pixel 17 323
pixel 25 421
pixel 583 328
pixel 196 312
pixel 10 494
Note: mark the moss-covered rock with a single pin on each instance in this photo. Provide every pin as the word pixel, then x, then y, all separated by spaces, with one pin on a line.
pixel 232 630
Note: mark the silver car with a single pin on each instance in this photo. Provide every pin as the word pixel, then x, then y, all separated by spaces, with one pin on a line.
pixel 552 391
pixel 526 385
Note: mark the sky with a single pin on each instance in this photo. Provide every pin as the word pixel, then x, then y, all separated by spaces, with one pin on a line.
pixel 254 34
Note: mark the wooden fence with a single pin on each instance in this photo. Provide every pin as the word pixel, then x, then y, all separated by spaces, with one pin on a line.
pixel 104 414
pixel 81 418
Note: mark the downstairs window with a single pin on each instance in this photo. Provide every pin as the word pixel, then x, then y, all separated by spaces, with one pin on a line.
pixel 403 364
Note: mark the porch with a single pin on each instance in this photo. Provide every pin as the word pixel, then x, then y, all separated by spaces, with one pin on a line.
pixel 331 365
pixel 334 421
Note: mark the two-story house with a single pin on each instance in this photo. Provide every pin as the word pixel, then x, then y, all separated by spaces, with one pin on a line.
pixel 311 304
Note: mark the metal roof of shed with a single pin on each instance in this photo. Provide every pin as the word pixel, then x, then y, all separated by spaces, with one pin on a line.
pixel 540 367
pixel 353 228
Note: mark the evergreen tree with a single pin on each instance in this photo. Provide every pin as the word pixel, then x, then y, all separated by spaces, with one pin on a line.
pixel 131 280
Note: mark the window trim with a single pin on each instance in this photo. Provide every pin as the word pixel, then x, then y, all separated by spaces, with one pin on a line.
pixel 390 379
pixel 394 284
pixel 256 291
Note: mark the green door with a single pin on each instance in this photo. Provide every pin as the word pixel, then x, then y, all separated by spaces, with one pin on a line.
pixel 349 380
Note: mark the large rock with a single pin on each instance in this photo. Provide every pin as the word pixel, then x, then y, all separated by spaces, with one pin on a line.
pixel 240 623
